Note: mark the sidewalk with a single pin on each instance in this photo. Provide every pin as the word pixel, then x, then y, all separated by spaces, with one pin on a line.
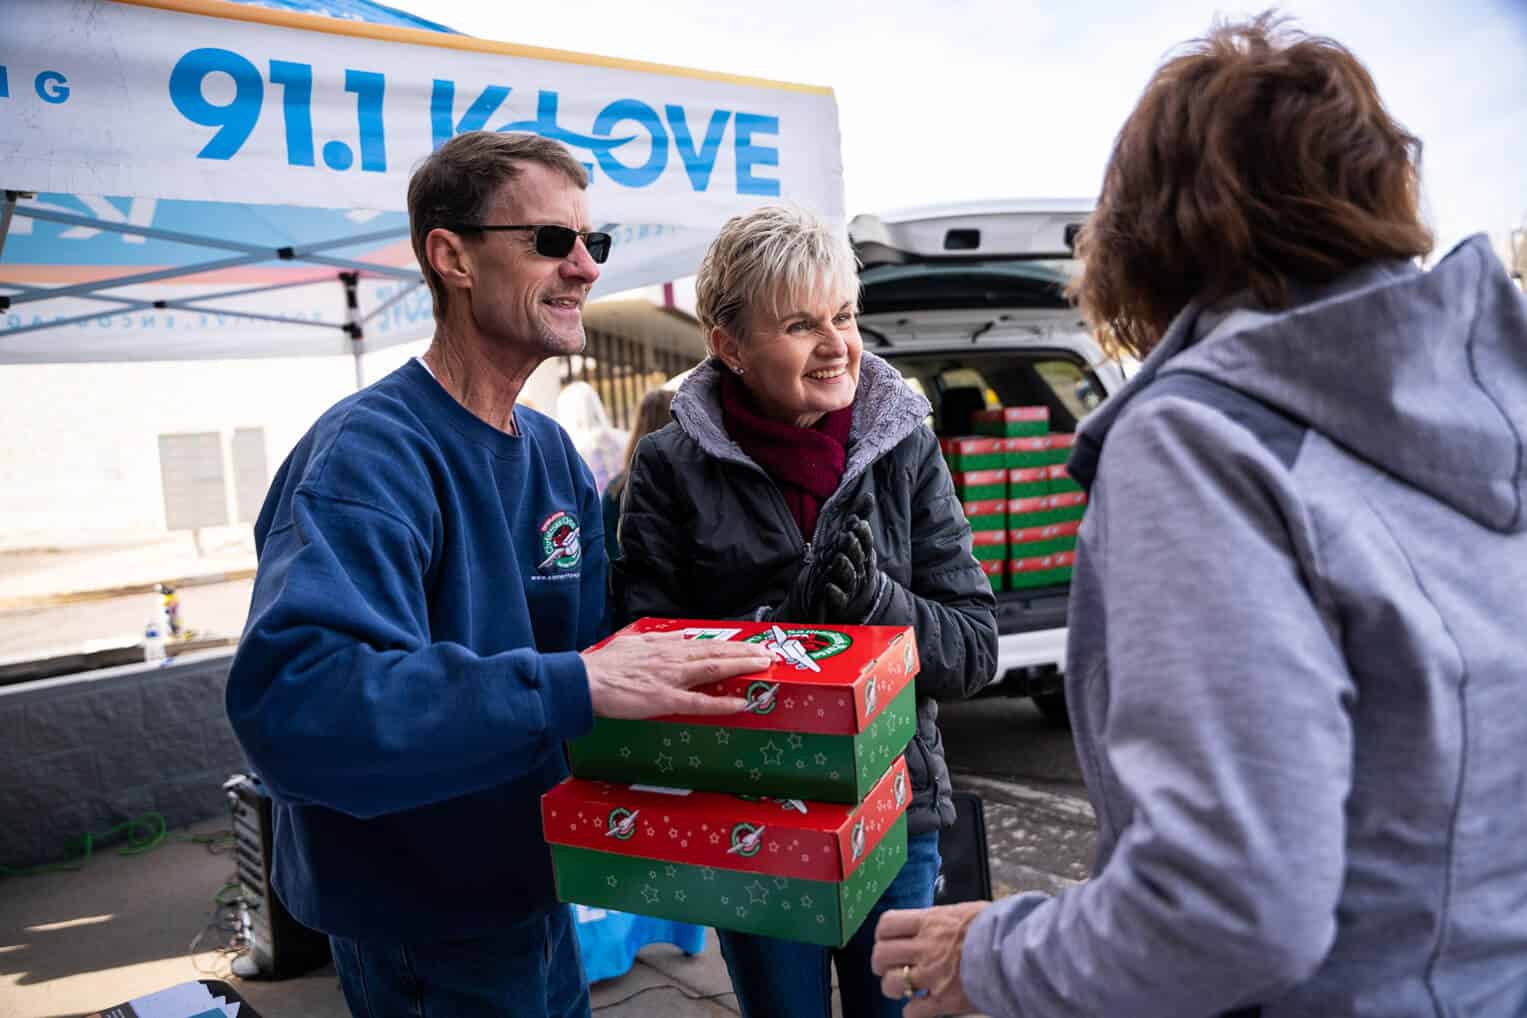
pixel 72 943
pixel 36 578
pixel 82 608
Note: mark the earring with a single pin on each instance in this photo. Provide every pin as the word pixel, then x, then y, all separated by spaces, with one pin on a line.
pixel 737 368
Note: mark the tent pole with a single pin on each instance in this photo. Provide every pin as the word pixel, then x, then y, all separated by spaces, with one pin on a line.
pixel 7 211
pixel 351 282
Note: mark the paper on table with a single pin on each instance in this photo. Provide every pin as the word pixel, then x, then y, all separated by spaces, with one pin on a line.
pixel 188 1000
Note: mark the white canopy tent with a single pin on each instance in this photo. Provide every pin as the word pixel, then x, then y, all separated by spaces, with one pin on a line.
pixel 196 179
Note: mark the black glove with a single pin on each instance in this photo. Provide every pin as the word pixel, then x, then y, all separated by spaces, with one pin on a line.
pixel 853 571
pixel 803 603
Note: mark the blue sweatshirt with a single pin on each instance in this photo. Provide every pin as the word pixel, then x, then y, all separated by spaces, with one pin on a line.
pixel 409 670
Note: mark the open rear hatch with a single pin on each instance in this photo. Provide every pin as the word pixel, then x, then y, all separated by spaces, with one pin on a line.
pixel 961 301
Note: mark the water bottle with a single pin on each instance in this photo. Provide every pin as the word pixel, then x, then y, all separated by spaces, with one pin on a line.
pixel 153 641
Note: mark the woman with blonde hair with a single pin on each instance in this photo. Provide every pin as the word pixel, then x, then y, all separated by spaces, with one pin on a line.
pixel 798 483
pixel 1295 670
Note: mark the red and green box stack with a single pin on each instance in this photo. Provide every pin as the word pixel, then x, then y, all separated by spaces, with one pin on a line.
pixel 1042 538
pixel 786 819
pixel 980 485
pixel 1042 510
pixel 1036 542
pixel 1043 503
pixel 1061 445
pixel 974 453
pixel 986 514
pixel 823 723
pixel 1035 451
pixel 1040 571
pixel 1009 422
pixel 1026 482
pixel 780 867
pixel 989 545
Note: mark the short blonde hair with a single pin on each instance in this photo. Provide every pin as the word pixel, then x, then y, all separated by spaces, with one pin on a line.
pixel 777 254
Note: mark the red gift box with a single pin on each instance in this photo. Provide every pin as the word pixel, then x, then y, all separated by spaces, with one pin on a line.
pixel 787 868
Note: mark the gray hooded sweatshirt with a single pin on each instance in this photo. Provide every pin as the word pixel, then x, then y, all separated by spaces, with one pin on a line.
pixel 1298 669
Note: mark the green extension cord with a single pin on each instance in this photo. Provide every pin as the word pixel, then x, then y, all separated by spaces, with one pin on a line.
pixel 144 832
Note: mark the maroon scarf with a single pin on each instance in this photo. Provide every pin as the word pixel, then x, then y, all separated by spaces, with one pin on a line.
pixel 806 463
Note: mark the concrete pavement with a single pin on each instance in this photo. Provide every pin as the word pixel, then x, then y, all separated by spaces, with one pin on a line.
pixel 67 601
pixel 38 577
pixel 72 943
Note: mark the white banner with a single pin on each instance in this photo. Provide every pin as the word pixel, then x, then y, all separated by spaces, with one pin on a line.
pixel 149 97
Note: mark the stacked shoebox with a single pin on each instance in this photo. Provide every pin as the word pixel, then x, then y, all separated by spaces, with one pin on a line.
pixel 1015 458
pixel 1044 505
pixel 1013 421
pixel 787 819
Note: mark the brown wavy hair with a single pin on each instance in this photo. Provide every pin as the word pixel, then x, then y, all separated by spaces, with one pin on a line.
pixel 1259 157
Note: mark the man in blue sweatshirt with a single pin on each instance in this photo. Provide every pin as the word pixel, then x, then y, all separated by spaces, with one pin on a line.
pixel 431 565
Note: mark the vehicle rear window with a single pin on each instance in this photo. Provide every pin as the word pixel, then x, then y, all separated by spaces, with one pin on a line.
pixel 1008 283
pixel 959 384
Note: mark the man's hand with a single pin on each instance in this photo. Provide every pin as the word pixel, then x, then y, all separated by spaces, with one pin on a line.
pixel 925 944
pixel 646 675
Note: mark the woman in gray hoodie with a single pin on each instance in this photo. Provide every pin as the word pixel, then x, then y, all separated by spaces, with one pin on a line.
pixel 1298 659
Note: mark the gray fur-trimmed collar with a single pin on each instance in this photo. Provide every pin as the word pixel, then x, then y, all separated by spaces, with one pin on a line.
pixel 886 410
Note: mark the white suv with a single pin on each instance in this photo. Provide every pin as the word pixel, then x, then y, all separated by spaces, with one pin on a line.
pixel 967 302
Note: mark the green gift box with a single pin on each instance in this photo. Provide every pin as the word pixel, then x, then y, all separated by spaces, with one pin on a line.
pixel 1062 443
pixel 986 514
pixel 996 572
pixel 1059 480
pixel 1037 542
pixel 1041 548
pixel 1041 510
pixel 980 485
pixel 781 867
pixel 823 722
pixel 1013 420
pixel 974 453
pixel 1040 571
pixel 1024 482
pixel 1032 451
pixel 989 544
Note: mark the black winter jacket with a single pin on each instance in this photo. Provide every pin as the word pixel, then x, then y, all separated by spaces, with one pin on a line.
pixel 706 533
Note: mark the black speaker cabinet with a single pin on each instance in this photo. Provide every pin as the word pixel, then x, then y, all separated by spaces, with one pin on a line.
pixel 279 946
pixel 965 874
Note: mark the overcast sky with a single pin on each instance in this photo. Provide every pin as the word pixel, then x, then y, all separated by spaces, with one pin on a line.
pixel 943 100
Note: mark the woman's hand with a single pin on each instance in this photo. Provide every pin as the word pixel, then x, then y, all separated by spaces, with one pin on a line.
pixel 917 957
pixel 803 604
pixel 853 571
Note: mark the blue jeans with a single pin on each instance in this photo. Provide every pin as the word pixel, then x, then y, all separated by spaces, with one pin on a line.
pixel 776 978
pixel 531 969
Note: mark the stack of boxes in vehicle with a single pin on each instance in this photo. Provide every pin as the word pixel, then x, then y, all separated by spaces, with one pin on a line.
pixel 979 468
pixel 1026 537
pixel 788 819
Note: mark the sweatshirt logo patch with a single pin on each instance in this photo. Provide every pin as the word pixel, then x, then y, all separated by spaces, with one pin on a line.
pixel 559 542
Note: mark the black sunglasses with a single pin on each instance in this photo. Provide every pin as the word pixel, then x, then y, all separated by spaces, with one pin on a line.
pixel 550 241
